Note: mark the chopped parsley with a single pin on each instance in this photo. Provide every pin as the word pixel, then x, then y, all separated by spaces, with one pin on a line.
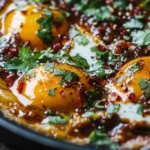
pixel 100 138
pixel 26 61
pixel 145 4
pixel 93 95
pixel 145 86
pixel 55 120
pixel 77 60
pixel 49 67
pixel 120 4
pixel 67 76
pixel 131 69
pixel 140 109
pixel 112 108
pixel 96 9
pixel 100 55
pixel 141 37
pixel 81 40
pixel 46 23
pixel 51 92
pixel 134 24
pixel 81 62
pixel 88 114
pixel 135 67
pixel 37 1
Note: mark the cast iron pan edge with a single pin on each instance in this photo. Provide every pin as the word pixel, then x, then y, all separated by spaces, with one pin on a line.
pixel 41 139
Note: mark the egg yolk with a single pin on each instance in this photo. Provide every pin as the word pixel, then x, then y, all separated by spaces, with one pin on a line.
pixel 24 22
pixel 36 87
pixel 125 86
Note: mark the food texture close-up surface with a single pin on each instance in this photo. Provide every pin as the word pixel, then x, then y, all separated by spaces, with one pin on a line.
pixel 78 70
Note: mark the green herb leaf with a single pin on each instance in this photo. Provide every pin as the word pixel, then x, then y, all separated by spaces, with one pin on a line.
pixel 94 9
pixel 82 40
pixel 49 67
pixel 51 92
pixel 145 4
pixel 74 32
pixel 112 108
pixel 135 67
pixel 81 62
pixel 55 120
pixel 133 24
pixel 100 138
pixel 67 76
pixel 145 86
pixel 120 4
pixel 25 62
pixel 100 55
pixel 140 109
pixel 93 95
pixel 141 37
pixel 88 114
pixel 46 23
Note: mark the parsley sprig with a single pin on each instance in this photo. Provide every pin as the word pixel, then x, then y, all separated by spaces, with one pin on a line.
pixel 67 76
pixel 145 86
pixel 100 11
pixel 100 138
pixel 26 61
pixel 46 23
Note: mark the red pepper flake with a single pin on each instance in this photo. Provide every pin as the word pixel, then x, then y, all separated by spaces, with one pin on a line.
pixel 24 12
pixel 10 80
pixel 63 94
pixel 107 67
pixel 131 96
pixel 20 86
pixel 115 97
pixel 57 47
pixel 13 51
pixel 103 82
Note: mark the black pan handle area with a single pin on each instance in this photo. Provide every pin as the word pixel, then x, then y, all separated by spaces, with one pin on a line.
pixel 12 133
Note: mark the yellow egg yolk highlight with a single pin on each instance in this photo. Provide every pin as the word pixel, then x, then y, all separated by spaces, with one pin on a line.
pixel 125 86
pixel 36 88
pixel 24 22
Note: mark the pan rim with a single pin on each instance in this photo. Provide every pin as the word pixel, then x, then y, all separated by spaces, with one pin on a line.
pixel 39 138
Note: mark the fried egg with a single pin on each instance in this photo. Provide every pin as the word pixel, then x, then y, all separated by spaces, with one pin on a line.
pixel 23 21
pixel 33 89
pixel 127 90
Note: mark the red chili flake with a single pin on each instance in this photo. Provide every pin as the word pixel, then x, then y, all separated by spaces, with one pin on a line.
pixel 115 97
pixel 20 86
pixel 13 51
pixel 24 12
pixel 71 84
pixel 4 50
pixel 107 66
pixel 63 94
pixel 93 79
pixel 102 48
pixel 103 82
pixel 58 24
pixel 102 28
pixel 57 47
pixel 10 80
pixel 131 96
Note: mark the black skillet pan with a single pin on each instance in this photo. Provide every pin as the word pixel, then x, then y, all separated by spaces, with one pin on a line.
pixel 12 133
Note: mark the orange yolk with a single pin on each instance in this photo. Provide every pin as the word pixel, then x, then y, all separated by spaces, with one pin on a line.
pixel 36 89
pixel 125 86
pixel 24 22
